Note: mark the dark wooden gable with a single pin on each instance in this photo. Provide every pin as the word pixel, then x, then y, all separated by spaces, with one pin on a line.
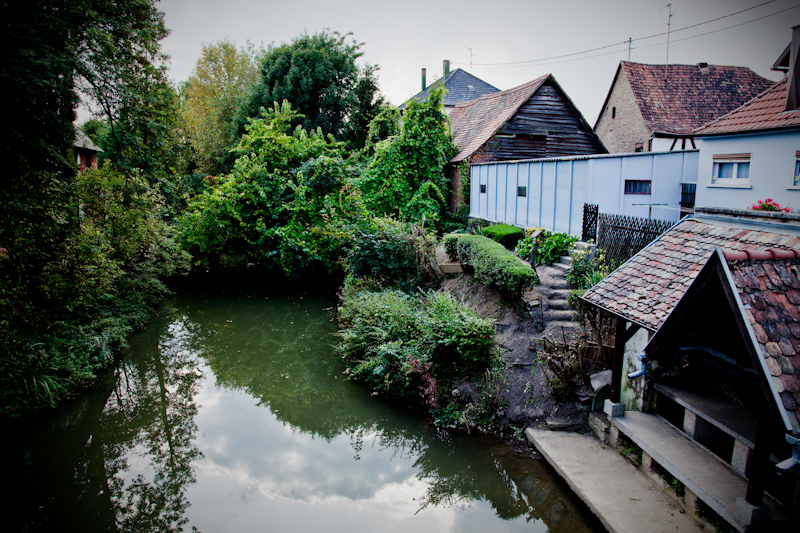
pixel 546 125
pixel 705 338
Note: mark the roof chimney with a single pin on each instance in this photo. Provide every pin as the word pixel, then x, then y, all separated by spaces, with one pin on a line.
pixel 446 68
pixel 793 82
pixel 424 86
pixel 703 68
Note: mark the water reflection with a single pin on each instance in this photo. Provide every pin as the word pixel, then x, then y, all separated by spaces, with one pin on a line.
pixel 230 414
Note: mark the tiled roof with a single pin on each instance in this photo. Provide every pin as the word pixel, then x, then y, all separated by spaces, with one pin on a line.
pixel 461 87
pixel 83 141
pixel 764 112
pixel 474 123
pixel 647 287
pixel 691 96
pixel 771 289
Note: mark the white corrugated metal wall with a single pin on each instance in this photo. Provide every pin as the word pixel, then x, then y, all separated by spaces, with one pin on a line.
pixel 556 189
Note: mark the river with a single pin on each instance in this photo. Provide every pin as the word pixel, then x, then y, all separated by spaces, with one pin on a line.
pixel 228 412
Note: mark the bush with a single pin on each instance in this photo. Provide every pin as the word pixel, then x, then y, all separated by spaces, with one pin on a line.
pixel 494 265
pixel 588 268
pixel 505 234
pixel 450 243
pixel 395 254
pixel 404 345
pixel 553 247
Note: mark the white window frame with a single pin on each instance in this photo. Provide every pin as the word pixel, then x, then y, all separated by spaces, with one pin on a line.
pixel 737 161
pixel 796 179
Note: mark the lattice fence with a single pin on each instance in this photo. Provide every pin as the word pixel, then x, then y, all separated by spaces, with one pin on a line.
pixel 590 212
pixel 621 237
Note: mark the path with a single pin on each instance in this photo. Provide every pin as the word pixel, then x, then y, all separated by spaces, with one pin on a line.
pixel 614 490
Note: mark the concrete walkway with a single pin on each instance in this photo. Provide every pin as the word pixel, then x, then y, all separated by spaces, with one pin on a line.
pixel 616 491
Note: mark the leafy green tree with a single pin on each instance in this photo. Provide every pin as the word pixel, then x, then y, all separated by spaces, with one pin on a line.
pixel 318 75
pixel 221 83
pixel 58 269
pixel 406 176
pixel 286 188
pixel 364 104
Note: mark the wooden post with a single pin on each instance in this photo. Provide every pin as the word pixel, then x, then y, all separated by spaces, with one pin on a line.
pixel 761 466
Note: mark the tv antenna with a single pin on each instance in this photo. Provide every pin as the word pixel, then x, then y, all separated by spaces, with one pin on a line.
pixel 470 57
pixel 670 12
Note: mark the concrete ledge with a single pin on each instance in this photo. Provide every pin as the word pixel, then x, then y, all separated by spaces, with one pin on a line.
pixel 614 490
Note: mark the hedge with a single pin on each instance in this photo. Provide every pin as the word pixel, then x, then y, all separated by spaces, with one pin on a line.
pixel 505 234
pixel 494 265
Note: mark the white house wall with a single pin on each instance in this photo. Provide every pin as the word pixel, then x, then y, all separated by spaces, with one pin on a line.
pixel 557 188
pixel 772 164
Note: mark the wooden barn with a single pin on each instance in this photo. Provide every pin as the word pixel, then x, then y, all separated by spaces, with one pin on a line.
pixel 534 120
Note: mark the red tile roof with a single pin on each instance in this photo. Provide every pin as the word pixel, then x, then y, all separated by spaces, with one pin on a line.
pixel 473 123
pixel 689 98
pixel 764 112
pixel 771 289
pixel 646 288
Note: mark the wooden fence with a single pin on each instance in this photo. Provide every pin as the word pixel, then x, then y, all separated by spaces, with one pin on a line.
pixel 621 237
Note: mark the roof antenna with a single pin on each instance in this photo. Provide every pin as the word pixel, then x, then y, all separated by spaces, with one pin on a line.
pixel 470 57
pixel 629 49
pixel 670 12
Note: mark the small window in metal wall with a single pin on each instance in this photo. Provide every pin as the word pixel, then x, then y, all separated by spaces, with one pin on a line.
pixel 637 187
pixel 522 191
pixel 483 188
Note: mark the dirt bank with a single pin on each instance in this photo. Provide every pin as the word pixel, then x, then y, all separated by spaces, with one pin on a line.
pixel 527 397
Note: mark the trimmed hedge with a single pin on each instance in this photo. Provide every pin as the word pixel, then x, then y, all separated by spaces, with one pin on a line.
pixel 505 234
pixel 494 265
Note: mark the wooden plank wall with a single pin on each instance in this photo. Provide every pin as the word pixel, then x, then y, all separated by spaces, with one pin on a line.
pixel 547 125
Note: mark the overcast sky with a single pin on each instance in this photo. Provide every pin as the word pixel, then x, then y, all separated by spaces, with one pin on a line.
pixel 509 42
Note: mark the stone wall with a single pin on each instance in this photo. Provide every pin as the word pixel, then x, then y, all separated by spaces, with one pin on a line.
pixel 622 129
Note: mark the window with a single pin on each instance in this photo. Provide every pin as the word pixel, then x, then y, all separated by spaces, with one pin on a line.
pixel 522 191
pixel 637 187
pixel 731 170
pixel 796 181
pixel 483 187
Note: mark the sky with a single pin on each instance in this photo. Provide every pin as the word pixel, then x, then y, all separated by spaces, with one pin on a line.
pixel 503 42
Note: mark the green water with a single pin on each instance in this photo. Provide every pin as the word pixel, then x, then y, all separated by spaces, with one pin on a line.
pixel 229 413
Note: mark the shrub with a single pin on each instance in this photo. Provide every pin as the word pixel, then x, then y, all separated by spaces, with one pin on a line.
pixel 450 243
pixel 404 345
pixel 505 234
pixel 553 247
pixel 494 265
pixel 588 268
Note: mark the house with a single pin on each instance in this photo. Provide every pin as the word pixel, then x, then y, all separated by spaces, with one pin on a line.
pixel 534 120
pixel 712 305
pixel 461 87
pixel 657 107
pixel 85 151
pixel 753 152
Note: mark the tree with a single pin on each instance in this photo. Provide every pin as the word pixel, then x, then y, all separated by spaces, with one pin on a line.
pixel 286 189
pixel 364 103
pixel 54 51
pixel 221 83
pixel 316 74
pixel 406 176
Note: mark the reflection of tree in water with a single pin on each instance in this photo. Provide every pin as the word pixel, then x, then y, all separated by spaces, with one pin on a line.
pixel 151 410
pixel 281 354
